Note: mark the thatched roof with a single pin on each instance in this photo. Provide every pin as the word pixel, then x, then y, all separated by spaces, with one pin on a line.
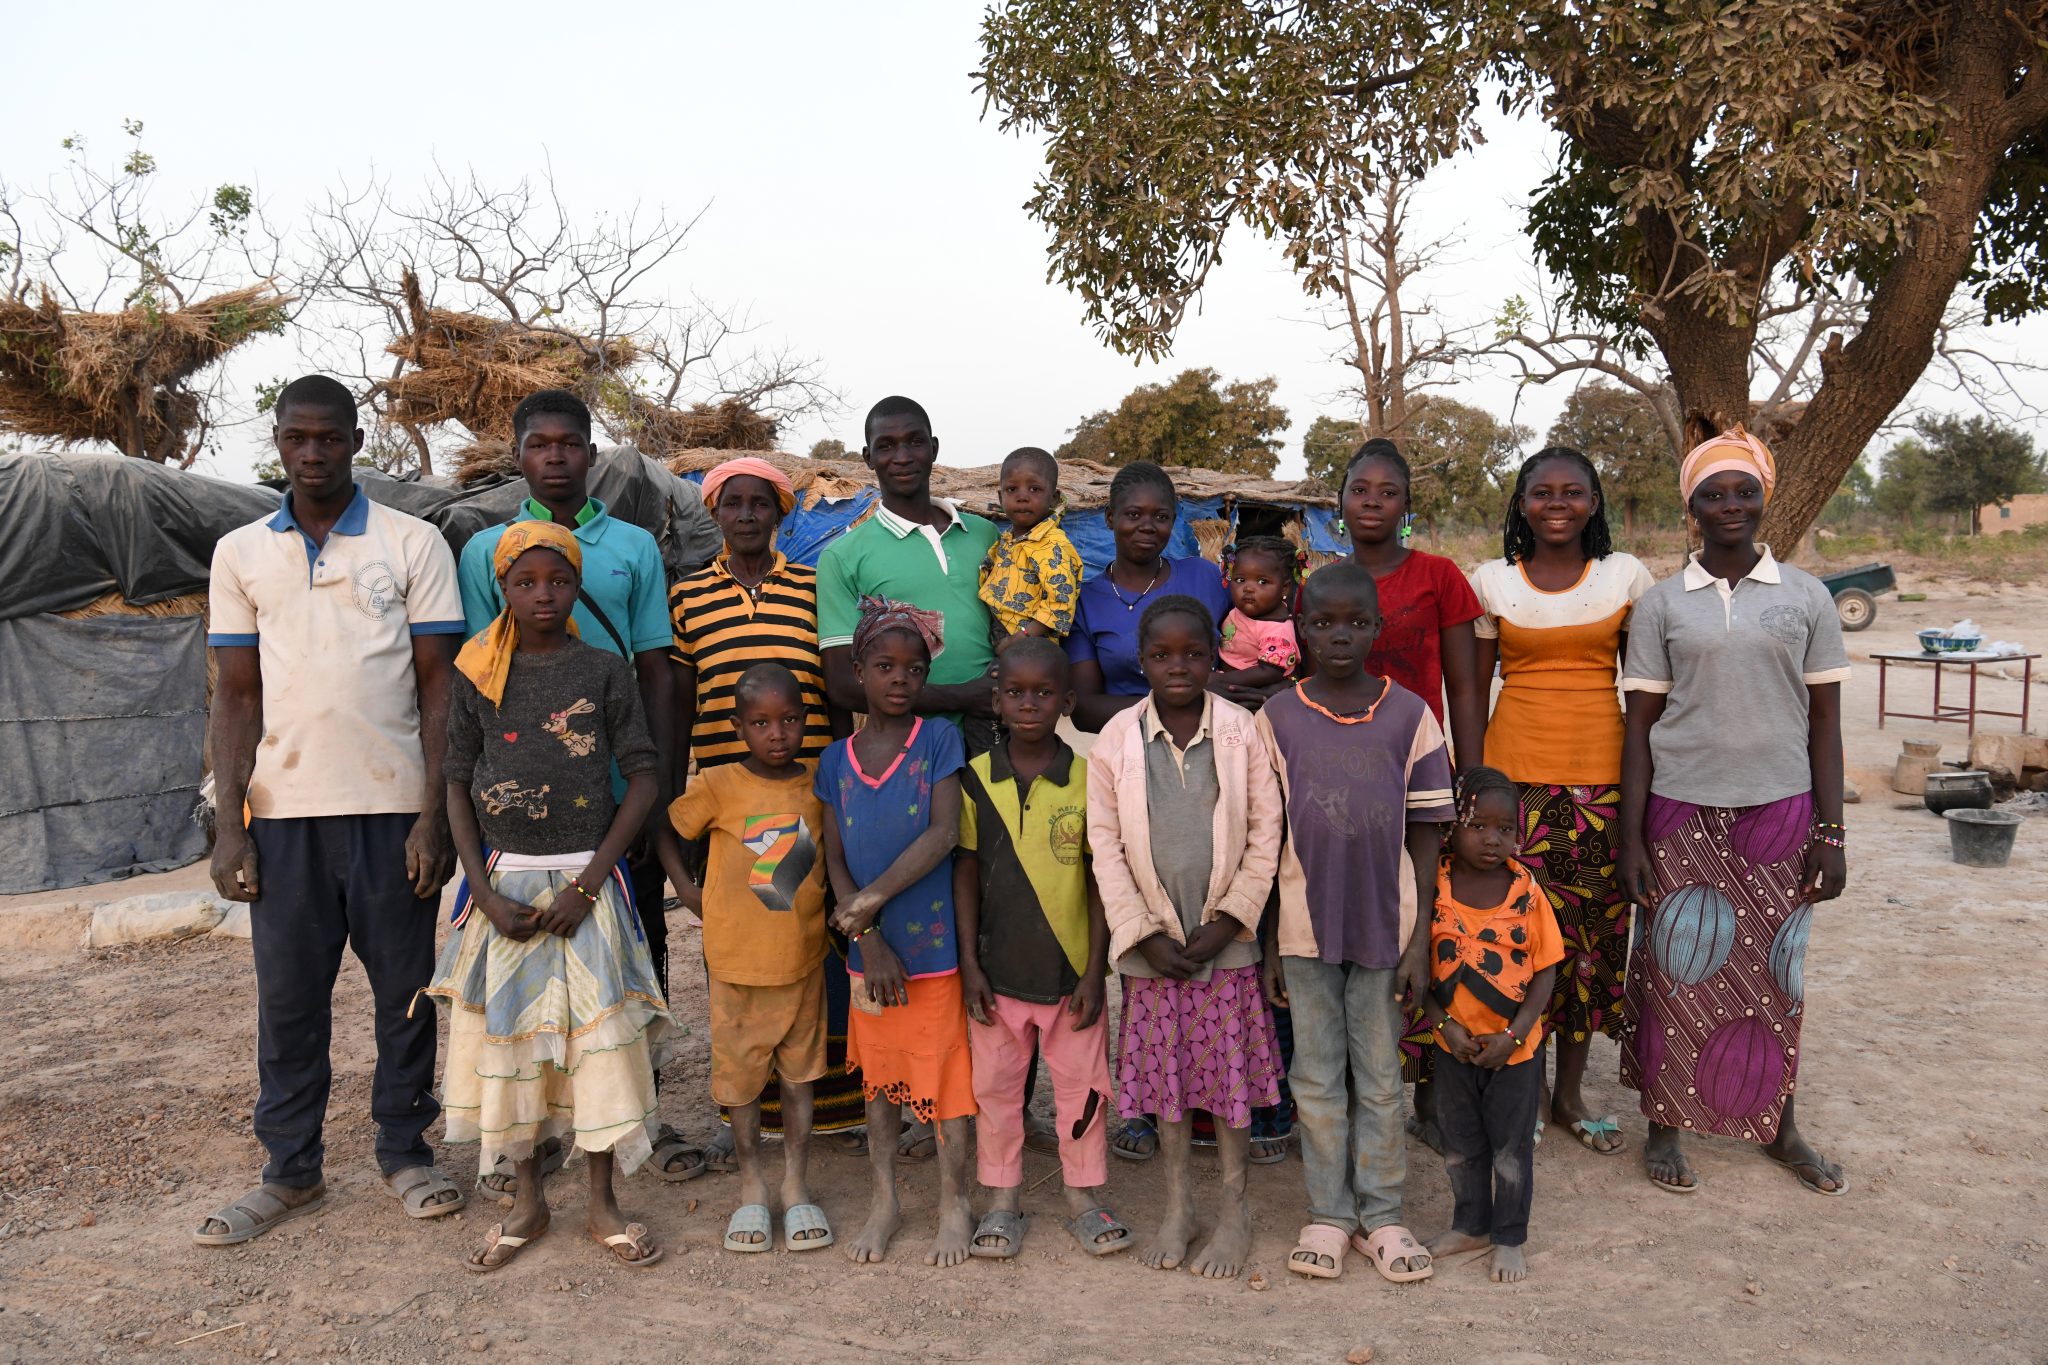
pixel 1084 483
pixel 120 378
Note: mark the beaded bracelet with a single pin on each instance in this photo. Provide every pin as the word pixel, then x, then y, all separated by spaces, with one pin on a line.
pixel 580 889
pixel 1830 840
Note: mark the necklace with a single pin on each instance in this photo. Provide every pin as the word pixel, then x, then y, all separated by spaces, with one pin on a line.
pixel 1131 603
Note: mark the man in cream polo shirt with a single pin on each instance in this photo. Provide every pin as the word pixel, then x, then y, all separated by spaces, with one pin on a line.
pixel 334 625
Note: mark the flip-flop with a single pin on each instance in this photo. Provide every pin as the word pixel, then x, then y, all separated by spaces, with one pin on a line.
pixel 254 1214
pixel 1136 1131
pixel 637 1237
pixel 507 1187
pixel 1537 1141
pixel 999 1223
pixel 668 1145
pixel 1384 1246
pixel 1589 1130
pixel 1796 1166
pixel 805 1218
pixel 753 1218
pixel 1265 1151
pixel 1316 1241
pixel 1673 1188
pixel 497 1238
pixel 1090 1224
pixel 415 1185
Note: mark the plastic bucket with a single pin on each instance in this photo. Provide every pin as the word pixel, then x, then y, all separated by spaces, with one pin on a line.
pixel 1981 838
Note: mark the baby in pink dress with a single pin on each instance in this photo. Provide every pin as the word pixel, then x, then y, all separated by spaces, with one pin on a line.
pixel 1259 647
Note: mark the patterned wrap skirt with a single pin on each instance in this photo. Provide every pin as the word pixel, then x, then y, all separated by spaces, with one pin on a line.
pixel 1189 1045
pixel 1716 988
pixel 554 1037
pixel 1568 842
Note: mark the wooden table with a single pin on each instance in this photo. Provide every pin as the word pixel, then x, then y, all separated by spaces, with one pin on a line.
pixel 1950 713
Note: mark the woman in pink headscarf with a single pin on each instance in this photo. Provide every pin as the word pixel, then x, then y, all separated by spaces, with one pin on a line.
pixel 1731 825
pixel 750 605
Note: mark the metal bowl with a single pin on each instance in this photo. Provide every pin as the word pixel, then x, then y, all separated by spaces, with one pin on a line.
pixel 1968 790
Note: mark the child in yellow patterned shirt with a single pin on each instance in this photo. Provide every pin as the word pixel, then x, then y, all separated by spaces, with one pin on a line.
pixel 1033 573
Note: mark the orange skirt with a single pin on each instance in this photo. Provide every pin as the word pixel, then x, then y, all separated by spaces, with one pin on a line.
pixel 916 1054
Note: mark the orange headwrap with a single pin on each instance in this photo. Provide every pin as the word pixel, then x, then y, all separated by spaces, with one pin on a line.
pixel 755 467
pixel 487 659
pixel 1732 449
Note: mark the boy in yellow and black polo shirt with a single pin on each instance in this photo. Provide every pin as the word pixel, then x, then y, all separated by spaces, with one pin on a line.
pixel 1034 952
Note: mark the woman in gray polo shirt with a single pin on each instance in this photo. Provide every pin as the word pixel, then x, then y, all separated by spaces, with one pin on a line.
pixel 1731 824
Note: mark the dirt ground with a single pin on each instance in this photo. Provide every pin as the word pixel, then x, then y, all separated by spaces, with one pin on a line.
pixel 126 1080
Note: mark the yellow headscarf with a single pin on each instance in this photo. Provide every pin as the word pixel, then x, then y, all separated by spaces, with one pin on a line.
pixel 487 659
pixel 1732 449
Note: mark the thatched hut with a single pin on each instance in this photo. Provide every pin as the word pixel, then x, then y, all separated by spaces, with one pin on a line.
pixel 123 378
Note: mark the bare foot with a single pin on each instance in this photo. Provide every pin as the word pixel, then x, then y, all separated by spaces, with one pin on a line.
pixel 1508 1265
pixel 1453 1242
pixel 1222 1257
pixel 1665 1161
pixel 956 1234
pixel 873 1243
pixel 1170 1247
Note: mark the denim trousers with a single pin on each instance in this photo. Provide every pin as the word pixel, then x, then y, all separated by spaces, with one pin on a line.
pixel 1488 1120
pixel 1346 1079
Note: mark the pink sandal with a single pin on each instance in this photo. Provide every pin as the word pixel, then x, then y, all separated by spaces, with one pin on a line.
pixel 1319 1240
pixel 1384 1246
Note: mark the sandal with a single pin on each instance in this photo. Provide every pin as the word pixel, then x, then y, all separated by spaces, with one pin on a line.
pixel 852 1141
pixel 805 1218
pixel 917 1142
pixel 1004 1225
pixel 1088 1226
pixel 477 1262
pixel 669 1145
pixel 1819 1165
pixel 719 1155
pixel 642 1245
pixel 1590 1131
pixel 1137 1140
pixel 1319 1242
pixel 750 1218
pixel 1267 1150
pixel 501 1182
pixel 254 1214
pixel 1384 1246
pixel 1684 1168
pixel 415 1185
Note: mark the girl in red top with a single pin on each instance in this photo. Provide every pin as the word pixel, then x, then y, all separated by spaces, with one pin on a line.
pixel 1427 645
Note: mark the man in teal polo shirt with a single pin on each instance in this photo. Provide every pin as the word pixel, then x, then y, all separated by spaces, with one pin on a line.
pixel 623 608
pixel 918 549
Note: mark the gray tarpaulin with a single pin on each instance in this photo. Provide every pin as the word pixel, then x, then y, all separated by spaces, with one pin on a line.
pixel 100 744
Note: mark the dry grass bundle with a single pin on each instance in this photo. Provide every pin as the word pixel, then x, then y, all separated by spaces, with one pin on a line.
pixel 473 370
pixel 121 377
pixel 731 425
pixel 484 461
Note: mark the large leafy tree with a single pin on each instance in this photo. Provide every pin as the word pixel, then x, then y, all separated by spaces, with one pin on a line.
pixel 1972 462
pixel 1191 421
pixel 1462 458
pixel 1620 431
pixel 1709 156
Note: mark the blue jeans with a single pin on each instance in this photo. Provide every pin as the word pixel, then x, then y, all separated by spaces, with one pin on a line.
pixel 1346 1079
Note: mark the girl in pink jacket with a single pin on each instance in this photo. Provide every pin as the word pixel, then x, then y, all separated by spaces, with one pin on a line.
pixel 1184 819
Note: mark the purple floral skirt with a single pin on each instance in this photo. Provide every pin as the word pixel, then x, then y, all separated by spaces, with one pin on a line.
pixel 1189 1045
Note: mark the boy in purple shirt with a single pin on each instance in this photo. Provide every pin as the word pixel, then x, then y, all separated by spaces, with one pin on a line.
pixel 1367 783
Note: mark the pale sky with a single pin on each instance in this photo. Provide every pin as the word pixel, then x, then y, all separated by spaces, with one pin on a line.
pixel 860 208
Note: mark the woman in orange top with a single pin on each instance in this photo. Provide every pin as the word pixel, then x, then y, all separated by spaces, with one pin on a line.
pixel 1493 953
pixel 1557 605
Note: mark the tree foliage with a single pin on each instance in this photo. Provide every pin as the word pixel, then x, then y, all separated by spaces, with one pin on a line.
pixel 1327 446
pixel 1463 459
pixel 1621 432
pixel 1190 421
pixel 1971 462
pixel 1706 154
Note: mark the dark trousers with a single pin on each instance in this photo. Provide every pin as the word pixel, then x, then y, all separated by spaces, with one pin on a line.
pixel 1488 1120
pixel 331 882
pixel 650 894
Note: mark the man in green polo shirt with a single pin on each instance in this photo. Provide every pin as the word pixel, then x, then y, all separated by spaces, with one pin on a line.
pixel 918 549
